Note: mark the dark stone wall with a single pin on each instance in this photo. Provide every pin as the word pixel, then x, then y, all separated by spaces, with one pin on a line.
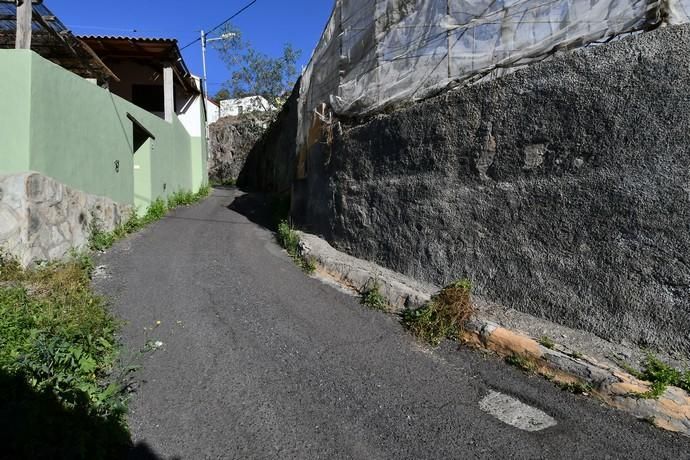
pixel 562 190
pixel 230 141
pixel 270 166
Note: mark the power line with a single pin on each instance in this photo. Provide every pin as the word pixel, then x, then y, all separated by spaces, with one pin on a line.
pixel 246 7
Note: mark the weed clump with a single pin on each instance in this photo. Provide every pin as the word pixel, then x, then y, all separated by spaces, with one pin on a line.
pixel 157 210
pixel 99 240
pixel 445 315
pixel 371 296
pixel 547 342
pixel 577 388
pixel 660 375
pixel 223 183
pixel 521 362
pixel 289 240
pixel 57 339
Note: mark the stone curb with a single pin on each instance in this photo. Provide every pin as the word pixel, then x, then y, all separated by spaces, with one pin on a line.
pixel 608 382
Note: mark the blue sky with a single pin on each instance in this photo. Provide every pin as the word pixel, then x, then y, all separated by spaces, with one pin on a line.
pixel 267 25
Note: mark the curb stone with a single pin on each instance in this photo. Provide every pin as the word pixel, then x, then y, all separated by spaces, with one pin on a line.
pixel 608 381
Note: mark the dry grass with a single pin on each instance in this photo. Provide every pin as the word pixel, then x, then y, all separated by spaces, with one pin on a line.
pixel 445 315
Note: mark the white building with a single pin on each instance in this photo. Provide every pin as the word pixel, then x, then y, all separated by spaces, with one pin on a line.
pixel 212 111
pixel 236 107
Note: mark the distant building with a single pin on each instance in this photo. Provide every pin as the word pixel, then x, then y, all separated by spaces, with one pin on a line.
pixel 236 107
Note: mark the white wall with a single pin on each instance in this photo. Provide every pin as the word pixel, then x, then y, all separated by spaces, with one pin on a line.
pixel 235 107
pixel 190 112
pixel 212 112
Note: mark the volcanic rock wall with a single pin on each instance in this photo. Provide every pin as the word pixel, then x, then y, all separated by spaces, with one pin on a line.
pixel 562 190
pixel 230 141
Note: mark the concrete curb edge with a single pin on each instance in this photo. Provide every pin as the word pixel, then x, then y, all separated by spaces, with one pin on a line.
pixel 608 382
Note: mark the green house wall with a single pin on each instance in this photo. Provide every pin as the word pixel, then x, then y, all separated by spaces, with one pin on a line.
pixel 65 127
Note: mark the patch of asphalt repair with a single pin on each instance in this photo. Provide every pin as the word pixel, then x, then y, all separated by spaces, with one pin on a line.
pixel 261 361
pixel 515 413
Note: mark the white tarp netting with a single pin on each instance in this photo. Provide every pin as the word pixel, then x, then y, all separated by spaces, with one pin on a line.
pixel 377 52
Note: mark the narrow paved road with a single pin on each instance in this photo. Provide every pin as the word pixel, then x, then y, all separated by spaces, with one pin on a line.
pixel 260 361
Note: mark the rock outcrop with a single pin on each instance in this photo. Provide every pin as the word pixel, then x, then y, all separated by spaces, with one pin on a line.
pixel 230 141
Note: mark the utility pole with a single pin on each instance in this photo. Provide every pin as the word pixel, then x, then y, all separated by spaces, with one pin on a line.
pixel 24 18
pixel 204 42
pixel 203 60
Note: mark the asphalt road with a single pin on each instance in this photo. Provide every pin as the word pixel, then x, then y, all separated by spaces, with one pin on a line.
pixel 260 361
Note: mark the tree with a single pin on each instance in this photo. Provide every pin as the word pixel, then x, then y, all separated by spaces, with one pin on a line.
pixel 221 95
pixel 255 73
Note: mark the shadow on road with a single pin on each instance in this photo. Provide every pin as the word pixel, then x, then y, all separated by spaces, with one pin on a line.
pixel 263 209
pixel 35 425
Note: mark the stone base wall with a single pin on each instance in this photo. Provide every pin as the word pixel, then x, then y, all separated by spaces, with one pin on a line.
pixel 42 219
pixel 562 190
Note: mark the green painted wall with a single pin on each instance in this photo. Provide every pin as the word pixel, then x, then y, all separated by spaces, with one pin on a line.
pixel 78 134
pixel 15 87
pixel 199 163
pixel 69 129
pixel 142 176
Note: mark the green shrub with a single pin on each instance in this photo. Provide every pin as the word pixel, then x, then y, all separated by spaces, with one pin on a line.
pixel 58 356
pixel 99 240
pixel 204 191
pixel 181 198
pixel 58 335
pixel 157 210
pixel 660 375
pixel 371 296
pixel 445 315
pixel 289 239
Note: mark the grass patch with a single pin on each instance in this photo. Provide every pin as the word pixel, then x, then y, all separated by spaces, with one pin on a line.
pixel 521 362
pixel 181 198
pixel 445 315
pixel 100 240
pixel 289 240
pixel 577 388
pixel 547 342
pixel 58 345
pixel 371 296
pixel 223 183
